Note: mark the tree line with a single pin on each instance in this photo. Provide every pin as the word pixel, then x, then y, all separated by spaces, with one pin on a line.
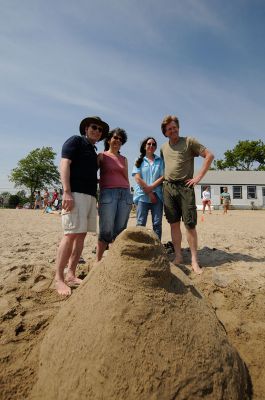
pixel 34 172
pixel 247 155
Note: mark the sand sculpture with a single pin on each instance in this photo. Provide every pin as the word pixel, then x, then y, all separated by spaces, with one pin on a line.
pixel 137 329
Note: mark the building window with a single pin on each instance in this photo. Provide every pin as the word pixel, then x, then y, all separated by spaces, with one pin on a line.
pixel 237 192
pixel 251 192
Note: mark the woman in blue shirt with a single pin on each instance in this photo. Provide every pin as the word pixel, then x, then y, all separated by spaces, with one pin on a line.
pixel 148 172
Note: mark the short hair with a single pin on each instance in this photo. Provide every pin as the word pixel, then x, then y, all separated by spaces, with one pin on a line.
pixel 167 120
pixel 118 131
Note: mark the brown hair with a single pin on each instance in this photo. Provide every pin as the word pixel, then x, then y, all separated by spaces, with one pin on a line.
pixel 139 161
pixel 167 120
pixel 118 131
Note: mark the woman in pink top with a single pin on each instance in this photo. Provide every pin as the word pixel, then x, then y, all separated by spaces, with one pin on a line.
pixel 115 199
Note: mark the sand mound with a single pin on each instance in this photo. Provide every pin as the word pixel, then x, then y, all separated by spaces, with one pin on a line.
pixel 137 329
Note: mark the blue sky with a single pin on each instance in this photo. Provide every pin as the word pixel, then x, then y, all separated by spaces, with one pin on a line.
pixel 131 63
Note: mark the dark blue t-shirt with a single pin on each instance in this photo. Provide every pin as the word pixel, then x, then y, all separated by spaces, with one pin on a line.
pixel 83 168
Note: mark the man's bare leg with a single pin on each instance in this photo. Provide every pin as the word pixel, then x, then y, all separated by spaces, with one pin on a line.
pixel 101 247
pixel 63 255
pixel 193 243
pixel 77 248
pixel 176 240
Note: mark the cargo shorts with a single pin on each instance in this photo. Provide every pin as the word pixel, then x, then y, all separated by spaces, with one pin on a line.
pixel 180 203
pixel 83 217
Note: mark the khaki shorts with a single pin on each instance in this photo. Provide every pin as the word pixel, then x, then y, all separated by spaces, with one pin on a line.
pixel 83 217
pixel 179 202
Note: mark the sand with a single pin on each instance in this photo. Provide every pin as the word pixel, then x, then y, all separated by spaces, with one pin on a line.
pixel 231 250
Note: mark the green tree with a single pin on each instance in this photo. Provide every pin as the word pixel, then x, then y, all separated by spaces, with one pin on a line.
pixel 4 198
pixel 13 201
pixel 23 198
pixel 247 155
pixel 36 171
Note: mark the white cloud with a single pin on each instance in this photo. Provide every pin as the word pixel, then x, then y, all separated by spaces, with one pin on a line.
pixel 131 63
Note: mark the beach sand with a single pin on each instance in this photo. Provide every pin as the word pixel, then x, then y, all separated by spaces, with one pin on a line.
pixel 231 250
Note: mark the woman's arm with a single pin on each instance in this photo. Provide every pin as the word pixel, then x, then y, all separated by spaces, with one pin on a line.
pixel 147 188
pixel 126 174
pixel 157 182
pixel 141 182
pixel 99 159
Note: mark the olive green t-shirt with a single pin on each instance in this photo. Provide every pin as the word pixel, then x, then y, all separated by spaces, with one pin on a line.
pixel 179 158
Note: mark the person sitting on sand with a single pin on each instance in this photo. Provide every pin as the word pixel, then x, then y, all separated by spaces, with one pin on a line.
pixel 50 210
pixel 78 169
pixel 206 199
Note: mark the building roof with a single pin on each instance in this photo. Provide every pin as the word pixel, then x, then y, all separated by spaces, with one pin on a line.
pixel 234 178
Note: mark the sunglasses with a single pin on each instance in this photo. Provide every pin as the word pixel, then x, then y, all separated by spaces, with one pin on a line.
pixel 151 144
pixel 96 127
pixel 117 138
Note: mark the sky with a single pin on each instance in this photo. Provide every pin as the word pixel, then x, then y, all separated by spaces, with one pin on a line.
pixel 131 62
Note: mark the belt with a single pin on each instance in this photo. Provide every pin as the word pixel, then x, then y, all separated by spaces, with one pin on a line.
pixel 180 183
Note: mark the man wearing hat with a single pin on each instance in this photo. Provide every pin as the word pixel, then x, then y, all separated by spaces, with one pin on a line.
pixel 78 169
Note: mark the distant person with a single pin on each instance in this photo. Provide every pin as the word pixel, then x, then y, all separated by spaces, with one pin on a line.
pixel 46 196
pixel 37 203
pixel 148 173
pixel 50 210
pixel 206 199
pixel 115 199
pixel 55 197
pixel 225 199
pixel 178 187
pixel 79 214
pixel 60 200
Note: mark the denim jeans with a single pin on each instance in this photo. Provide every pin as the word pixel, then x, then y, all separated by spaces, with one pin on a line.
pixel 114 211
pixel 156 212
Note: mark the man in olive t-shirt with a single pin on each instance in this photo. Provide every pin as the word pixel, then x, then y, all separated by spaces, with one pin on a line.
pixel 178 187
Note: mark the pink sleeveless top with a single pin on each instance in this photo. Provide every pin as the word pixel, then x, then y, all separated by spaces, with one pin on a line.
pixel 112 172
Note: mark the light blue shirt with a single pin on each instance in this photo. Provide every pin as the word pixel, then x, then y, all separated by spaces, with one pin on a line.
pixel 149 172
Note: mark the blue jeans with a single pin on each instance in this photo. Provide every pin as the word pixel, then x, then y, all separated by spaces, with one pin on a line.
pixel 114 211
pixel 156 212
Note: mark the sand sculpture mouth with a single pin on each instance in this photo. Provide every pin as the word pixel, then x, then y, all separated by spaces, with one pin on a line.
pixel 140 243
pixel 135 330
pixel 138 261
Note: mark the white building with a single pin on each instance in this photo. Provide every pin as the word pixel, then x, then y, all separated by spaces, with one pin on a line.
pixel 246 188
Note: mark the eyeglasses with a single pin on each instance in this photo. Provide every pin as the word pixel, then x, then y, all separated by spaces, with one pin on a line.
pixel 96 127
pixel 151 144
pixel 117 138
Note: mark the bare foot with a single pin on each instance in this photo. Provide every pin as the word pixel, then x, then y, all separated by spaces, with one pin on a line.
pixel 73 281
pixel 196 268
pixel 62 288
pixel 178 260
